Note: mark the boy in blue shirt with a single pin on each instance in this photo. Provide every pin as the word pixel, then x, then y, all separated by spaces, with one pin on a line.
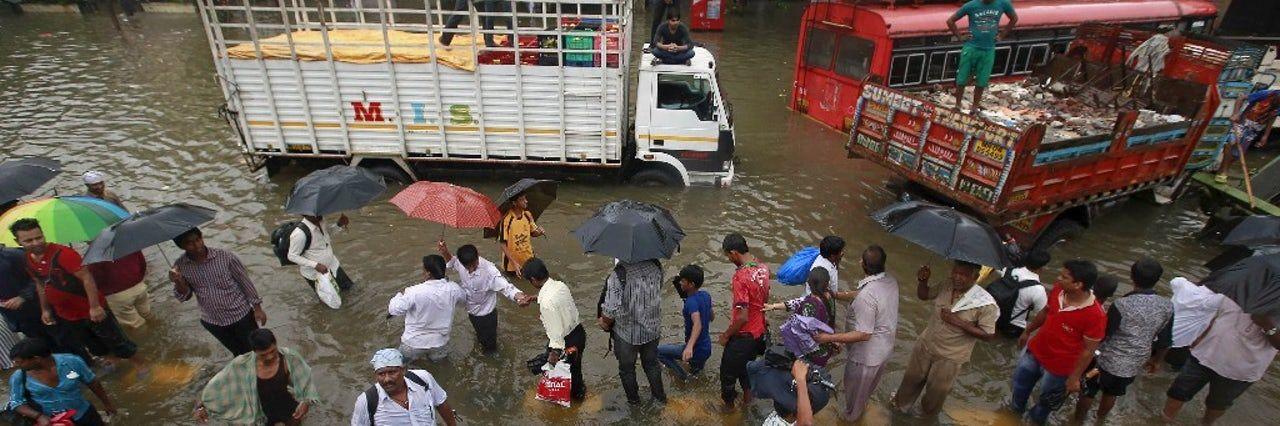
pixel 979 52
pixel 697 317
pixel 49 384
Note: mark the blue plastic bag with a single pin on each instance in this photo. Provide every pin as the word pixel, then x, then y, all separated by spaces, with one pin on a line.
pixel 796 269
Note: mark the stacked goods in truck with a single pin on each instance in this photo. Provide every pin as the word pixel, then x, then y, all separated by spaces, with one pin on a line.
pixel 1025 103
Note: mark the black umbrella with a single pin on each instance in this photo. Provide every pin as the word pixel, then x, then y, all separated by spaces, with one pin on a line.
pixel 944 231
pixel 1254 231
pixel 21 177
pixel 631 231
pixel 145 229
pixel 1253 283
pixel 335 189
pixel 540 192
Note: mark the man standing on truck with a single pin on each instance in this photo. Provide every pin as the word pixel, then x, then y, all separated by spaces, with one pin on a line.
pixel 1253 120
pixel 671 43
pixel 979 53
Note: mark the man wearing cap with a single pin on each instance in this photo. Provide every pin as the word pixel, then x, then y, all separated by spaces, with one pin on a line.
pixel 96 184
pixel 398 397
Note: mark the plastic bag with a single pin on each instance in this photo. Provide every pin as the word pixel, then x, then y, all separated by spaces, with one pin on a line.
pixel 796 269
pixel 327 289
pixel 556 384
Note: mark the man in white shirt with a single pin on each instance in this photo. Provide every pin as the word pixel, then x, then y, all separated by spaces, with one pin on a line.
pixel 483 282
pixel 1194 307
pixel 830 252
pixel 559 313
pixel 1233 353
pixel 428 312
pixel 1031 299
pixel 312 250
pixel 397 401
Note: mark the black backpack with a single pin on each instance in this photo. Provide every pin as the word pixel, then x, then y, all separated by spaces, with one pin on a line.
pixel 371 394
pixel 1005 292
pixel 280 240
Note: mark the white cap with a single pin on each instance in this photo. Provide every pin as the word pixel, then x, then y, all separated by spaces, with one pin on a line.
pixel 387 358
pixel 94 177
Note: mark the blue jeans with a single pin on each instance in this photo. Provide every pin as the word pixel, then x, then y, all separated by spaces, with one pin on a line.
pixel 670 355
pixel 1053 389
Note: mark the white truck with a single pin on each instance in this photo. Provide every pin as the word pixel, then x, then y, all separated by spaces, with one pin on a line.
pixel 371 83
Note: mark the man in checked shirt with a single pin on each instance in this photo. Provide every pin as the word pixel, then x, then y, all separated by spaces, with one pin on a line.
pixel 229 304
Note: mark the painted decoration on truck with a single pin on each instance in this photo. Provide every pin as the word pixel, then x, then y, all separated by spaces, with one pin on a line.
pixel 936 171
pixel 901 156
pixel 986 152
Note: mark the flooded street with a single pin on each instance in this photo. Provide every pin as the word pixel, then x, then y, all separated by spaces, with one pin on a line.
pixel 143 109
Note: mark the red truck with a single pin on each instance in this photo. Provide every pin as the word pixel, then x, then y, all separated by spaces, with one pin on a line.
pixel 1041 190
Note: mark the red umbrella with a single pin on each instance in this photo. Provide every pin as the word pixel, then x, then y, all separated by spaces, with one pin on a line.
pixel 447 204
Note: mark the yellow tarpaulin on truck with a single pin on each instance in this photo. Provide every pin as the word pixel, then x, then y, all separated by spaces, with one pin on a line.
pixel 363 47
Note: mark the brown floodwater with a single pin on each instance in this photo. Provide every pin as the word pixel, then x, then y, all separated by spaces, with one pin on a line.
pixel 142 108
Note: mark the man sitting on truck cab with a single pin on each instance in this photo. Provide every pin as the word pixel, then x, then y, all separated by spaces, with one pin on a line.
pixel 671 43
pixel 979 53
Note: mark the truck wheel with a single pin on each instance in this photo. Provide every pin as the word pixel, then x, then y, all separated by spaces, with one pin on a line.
pixel 390 172
pixel 655 177
pixel 274 164
pixel 1059 231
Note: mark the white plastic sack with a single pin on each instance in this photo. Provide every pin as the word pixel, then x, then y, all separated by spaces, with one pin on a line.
pixel 327 289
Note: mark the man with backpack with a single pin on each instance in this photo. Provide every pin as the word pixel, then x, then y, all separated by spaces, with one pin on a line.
pixel 1020 294
pixel 401 396
pixel 310 247
pixel 71 305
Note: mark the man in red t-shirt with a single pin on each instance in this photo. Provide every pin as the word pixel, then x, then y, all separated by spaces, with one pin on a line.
pixel 1070 327
pixel 69 299
pixel 122 282
pixel 742 340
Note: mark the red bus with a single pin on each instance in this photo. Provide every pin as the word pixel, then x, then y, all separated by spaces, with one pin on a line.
pixel 909 46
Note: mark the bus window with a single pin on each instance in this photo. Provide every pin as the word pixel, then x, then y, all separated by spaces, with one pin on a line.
pixel 942 66
pixel 907 69
pixel 853 58
pixel 1029 57
pixel 820 48
pixel 1001 64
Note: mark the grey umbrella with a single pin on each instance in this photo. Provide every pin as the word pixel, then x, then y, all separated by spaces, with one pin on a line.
pixel 145 229
pixel 944 231
pixel 631 231
pixel 1254 231
pixel 335 189
pixel 21 177
pixel 1253 283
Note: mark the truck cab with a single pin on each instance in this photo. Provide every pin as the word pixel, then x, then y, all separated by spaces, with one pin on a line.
pixel 683 123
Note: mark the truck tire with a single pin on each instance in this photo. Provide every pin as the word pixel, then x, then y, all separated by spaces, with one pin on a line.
pixel 390 172
pixel 1057 232
pixel 655 177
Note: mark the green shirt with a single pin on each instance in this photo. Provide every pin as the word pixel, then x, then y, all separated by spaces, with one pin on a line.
pixel 232 395
pixel 984 21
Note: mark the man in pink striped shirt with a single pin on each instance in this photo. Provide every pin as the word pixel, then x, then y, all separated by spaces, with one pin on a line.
pixel 229 304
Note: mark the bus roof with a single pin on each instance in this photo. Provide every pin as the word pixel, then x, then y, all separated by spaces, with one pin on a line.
pixel 931 19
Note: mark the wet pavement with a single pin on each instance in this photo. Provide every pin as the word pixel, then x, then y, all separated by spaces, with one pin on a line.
pixel 143 109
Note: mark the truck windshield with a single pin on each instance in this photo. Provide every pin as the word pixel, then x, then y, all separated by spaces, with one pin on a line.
pixel 687 92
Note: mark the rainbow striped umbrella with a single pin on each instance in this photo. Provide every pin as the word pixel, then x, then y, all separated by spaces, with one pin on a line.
pixel 64 220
